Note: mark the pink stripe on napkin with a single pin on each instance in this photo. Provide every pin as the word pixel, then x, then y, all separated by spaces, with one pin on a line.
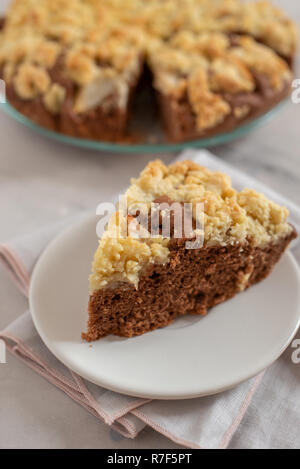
pixel 15 268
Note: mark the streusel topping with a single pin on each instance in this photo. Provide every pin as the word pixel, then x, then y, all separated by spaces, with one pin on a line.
pixel 230 217
pixel 204 67
pixel 101 38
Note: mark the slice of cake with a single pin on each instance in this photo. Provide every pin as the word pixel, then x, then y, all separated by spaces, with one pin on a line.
pixel 182 241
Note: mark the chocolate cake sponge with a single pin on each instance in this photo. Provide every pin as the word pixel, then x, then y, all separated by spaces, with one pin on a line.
pixel 139 285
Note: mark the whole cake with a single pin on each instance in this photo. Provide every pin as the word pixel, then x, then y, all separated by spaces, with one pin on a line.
pixel 144 276
pixel 73 66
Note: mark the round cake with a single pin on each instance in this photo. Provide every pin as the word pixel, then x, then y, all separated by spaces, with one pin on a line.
pixel 73 66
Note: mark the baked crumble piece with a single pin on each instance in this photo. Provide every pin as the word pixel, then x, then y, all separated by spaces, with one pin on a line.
pixel 141 283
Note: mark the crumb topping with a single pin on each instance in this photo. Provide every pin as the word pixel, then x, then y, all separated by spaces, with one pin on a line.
pixel 177 37
pixel 121 259
pixel 210 108
pixel 203 68
pixel 54 98
pixel 31 81
pixel 261 59
pixel 230 217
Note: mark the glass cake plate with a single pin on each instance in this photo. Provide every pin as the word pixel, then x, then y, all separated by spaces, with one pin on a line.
pixel 154 143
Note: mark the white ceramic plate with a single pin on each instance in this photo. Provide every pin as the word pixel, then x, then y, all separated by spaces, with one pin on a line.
pixel 192 357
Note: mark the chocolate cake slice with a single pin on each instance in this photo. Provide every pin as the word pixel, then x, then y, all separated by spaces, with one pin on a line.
pixel 143 277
